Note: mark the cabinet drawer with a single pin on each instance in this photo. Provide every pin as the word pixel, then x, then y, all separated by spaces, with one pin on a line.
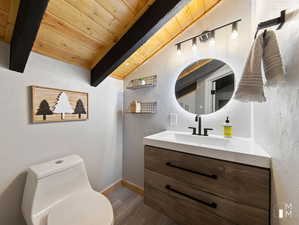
pixel 165 192
pixel 240 183
pixel 180 211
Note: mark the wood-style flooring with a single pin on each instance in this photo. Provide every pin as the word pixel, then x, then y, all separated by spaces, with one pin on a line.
pixel 129 209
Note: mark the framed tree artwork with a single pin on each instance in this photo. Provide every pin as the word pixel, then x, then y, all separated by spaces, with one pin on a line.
pixel 57 105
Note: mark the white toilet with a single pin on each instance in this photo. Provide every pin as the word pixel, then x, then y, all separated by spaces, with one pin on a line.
pixel 58 193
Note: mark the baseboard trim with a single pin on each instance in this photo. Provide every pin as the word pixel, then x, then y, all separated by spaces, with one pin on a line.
pixel 112 187
pixel 133 187
pixel 125 183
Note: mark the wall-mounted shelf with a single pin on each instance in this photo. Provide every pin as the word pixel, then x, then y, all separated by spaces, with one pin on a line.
pixel 146 108
pixel 144 82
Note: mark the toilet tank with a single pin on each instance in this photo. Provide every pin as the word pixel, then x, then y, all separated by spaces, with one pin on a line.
pixel 51 182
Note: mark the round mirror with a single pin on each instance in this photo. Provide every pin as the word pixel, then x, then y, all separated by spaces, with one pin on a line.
pixel 205 86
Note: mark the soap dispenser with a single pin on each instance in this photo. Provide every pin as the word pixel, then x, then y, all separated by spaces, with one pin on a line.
pixel 227 128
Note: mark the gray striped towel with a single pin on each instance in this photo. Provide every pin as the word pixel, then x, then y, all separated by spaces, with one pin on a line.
pixel 251 87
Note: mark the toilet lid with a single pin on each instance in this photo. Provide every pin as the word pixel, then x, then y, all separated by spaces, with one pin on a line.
pixel 84 208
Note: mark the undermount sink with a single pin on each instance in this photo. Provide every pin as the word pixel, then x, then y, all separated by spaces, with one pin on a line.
pixel 240 150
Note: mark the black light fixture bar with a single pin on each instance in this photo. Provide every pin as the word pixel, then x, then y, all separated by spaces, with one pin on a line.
pixel 210 31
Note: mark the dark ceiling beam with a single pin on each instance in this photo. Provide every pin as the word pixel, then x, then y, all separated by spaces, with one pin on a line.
pixel 159 13
pixel 28 20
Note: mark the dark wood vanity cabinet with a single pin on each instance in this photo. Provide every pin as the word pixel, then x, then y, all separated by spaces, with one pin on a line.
pixel 196 190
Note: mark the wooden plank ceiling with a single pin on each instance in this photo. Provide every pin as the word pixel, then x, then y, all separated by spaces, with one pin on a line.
pixel 81 32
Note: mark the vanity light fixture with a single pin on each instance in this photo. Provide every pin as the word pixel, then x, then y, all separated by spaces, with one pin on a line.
pixel 235 33
pixel 209 36
pixel 194 44
pixel 204 36
pixel 179 50
pixel 212 40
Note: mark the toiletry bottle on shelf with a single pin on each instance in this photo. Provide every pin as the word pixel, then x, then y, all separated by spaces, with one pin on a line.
pixel 138 107
pixel 135 107
pixel 227 128
pixel 142 81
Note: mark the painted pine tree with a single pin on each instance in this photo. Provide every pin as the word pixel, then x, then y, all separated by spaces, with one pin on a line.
pixel 44 109
pixel 62 105
pixel 79 109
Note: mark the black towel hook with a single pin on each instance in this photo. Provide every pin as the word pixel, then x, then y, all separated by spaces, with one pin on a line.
pixel 269 23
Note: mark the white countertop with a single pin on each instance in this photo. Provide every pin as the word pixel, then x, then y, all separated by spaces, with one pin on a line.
pixel 239 150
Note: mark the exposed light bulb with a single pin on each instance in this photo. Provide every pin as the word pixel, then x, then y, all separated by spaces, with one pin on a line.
pixel 212 38
pixel 235 32
pixel 179 50
pixel 194 44
pixel 212 42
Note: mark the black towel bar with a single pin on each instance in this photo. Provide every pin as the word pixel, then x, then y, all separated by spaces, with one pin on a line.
pixel 269 23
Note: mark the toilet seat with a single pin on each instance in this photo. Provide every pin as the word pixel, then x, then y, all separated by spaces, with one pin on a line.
pixel 83 208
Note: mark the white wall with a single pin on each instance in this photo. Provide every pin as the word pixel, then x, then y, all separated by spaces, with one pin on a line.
pixel 98 141
pixel 276 122
pixel 167 65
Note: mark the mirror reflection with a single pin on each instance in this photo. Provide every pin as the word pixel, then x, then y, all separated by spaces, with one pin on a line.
pixel 205 86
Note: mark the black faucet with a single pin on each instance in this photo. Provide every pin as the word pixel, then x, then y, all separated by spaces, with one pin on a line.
pixel 198 120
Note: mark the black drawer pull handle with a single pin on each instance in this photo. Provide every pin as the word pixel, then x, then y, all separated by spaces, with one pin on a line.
pixel 213 176
pixel 211 205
